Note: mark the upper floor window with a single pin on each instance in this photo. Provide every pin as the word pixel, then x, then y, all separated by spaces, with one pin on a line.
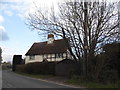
pixel 32 57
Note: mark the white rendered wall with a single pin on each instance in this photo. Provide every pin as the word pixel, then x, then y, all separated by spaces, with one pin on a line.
pixel 39 58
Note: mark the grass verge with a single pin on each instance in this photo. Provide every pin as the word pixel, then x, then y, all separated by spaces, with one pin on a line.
pixel 91 84
pixel 38 76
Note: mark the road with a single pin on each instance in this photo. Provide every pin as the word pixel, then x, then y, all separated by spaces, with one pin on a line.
pixel 0 77
pixel 13 80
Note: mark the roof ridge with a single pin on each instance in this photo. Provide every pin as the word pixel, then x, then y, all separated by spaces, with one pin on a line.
pixel 46 41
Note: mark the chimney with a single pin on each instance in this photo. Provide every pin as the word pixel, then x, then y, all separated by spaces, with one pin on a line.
pixel 50 38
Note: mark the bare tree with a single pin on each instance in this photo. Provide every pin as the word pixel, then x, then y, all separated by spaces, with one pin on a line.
pixel 88 25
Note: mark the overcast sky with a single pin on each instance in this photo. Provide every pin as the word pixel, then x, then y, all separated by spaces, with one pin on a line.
pixel 15 36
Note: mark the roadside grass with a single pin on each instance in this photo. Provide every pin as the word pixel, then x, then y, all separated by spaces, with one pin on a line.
pixel 74 81
pixel 91 84
pixel 38 76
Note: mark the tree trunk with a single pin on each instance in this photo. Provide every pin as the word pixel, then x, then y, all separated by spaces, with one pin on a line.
pixel 85 40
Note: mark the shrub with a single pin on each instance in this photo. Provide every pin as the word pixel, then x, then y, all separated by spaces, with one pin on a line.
pixel 109 76
pixel 20 68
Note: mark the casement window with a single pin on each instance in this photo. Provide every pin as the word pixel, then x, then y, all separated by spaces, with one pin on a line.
pixel 32 57
pixel 50 56
pixel 59 55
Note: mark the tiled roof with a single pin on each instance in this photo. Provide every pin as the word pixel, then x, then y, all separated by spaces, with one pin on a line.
pixel 58 46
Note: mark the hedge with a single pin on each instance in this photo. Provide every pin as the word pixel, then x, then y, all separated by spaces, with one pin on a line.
pixel 37 68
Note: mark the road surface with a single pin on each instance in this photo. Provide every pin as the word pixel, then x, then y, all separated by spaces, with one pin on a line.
pixel 0 77
pixel 13 80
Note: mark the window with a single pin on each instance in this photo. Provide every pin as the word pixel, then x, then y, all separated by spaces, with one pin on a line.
pixel 32 57
pixel 59 55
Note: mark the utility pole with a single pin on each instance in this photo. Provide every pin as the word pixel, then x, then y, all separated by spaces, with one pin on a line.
pixel 0 55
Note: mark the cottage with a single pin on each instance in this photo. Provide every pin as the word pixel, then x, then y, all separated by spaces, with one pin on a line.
pixel 51 50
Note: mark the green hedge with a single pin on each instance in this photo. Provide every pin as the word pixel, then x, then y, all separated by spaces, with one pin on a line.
pixel 109 76
pixel 37 68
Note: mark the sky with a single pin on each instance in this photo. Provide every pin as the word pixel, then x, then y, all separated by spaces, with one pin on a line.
pixel 15 36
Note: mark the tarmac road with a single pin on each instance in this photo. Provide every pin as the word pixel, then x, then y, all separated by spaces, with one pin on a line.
pixel 0 77
pixel 13 80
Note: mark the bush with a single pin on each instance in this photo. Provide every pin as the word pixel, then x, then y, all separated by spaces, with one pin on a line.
pixel 37 68
pixel 20 68
pixel 109 76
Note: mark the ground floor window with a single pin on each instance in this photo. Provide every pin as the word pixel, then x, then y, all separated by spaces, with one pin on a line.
pixel 59 55
pixel 32 57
